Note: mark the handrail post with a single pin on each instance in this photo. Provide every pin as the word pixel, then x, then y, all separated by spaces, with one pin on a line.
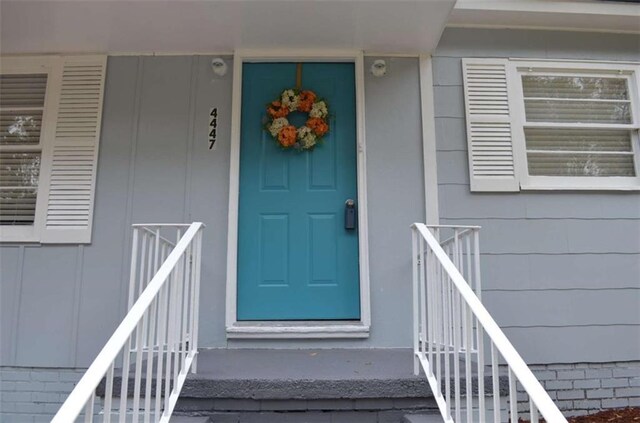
pixel 416 311
pixel 197 300
pixel 134 266
pixel 476 254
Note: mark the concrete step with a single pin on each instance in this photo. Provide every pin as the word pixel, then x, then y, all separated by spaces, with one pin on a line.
pixel 423 418
pixel 311 417
pixel 315 386
pixel 305 374
pixel 337 385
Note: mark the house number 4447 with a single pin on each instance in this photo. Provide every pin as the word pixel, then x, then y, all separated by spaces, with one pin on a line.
pixel 213 127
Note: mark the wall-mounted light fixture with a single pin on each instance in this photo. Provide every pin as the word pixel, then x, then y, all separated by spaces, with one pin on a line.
pixel 379 68
pixel 219 67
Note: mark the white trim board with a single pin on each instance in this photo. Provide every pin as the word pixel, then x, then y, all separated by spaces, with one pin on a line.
pixel 299 330
pixel 179 53
pixel 310 329
pixel 498 26
pixel 592 16
pixel 545 6
pixel 432 216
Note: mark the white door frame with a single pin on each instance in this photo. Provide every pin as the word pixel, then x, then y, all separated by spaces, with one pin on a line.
pixel 296 329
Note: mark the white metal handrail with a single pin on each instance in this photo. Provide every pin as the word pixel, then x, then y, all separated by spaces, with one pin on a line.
pixel 449 327
pixel 158 336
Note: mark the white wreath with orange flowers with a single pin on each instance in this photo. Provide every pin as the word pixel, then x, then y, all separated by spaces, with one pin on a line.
pixel 287 135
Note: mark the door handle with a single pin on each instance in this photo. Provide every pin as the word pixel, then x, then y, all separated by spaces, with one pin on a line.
pixel 350 214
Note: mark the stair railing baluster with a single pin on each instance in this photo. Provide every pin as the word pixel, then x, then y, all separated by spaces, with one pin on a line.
pixel 456 324
pixel 161 326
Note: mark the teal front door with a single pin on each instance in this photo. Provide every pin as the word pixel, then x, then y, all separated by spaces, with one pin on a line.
pixel 296 258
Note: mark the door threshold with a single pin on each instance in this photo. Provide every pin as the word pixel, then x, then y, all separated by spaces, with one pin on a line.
pixel 298 329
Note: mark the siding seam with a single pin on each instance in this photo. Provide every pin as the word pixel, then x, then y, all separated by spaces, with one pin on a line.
pixel 17 303
pixel 188 177
pixel 561 289
pixel 128 215
pixel 77 296
pixel 560 254
pixel 588 325
pixel 587 219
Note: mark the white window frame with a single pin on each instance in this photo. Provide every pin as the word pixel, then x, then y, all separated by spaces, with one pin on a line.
pixel 517 68
pixel 38 65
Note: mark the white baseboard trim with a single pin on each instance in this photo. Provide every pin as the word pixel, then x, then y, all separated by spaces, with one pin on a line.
pixel 297 330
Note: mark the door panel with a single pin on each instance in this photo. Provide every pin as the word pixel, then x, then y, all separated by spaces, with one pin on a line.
pixel 296 261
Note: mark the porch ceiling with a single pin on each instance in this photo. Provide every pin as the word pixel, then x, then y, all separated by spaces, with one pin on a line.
pixel 216 26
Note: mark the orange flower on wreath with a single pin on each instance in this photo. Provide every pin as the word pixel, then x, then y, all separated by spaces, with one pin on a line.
pixel 277 110
pixel 287 136
pixel 306 100
pixel 318 126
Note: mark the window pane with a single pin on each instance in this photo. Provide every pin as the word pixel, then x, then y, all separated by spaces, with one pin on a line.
pixel 22 99
pixel 547 86
pixel 19 172
pixel 17 206
pixel 577 139
pixel 577 111
pixel 22 90
pixel 20 127
pixel 593 152
pixel 563 164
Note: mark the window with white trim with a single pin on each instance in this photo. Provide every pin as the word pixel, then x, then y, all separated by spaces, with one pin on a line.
pixel 21 110
pixel 552 125
pixel 50 113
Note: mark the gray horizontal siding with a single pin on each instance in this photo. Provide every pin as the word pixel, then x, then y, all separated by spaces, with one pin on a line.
pixel 451 131
pixel 561 270
pixel 564 307
pixel 458 204
pixel 574 344
pixel 448 104
pixel 556 236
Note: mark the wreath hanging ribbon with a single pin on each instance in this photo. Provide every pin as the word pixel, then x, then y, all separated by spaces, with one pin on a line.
pixel 287 135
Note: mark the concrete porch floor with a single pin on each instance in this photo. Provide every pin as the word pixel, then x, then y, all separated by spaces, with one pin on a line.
pixel 315 386
pixel 322 385
pixel 305 374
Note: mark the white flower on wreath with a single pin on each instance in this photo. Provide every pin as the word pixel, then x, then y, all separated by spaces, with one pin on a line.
pixel 290 99
pixel 277 125
pixel 306 137
pixel 319 110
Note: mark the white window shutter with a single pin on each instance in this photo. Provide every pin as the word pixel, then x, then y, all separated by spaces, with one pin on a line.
pixel 489 131
pixel 73 155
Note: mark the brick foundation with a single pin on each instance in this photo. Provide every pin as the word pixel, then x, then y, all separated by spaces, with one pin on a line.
pixel 585 388
pixel 29 395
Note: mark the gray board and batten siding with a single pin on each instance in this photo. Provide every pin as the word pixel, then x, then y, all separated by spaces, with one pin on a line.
pixel 61 303
pixel 561 270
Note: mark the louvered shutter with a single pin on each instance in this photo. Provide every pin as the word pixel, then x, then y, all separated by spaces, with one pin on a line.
pixel 73 155
pixel 489 127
